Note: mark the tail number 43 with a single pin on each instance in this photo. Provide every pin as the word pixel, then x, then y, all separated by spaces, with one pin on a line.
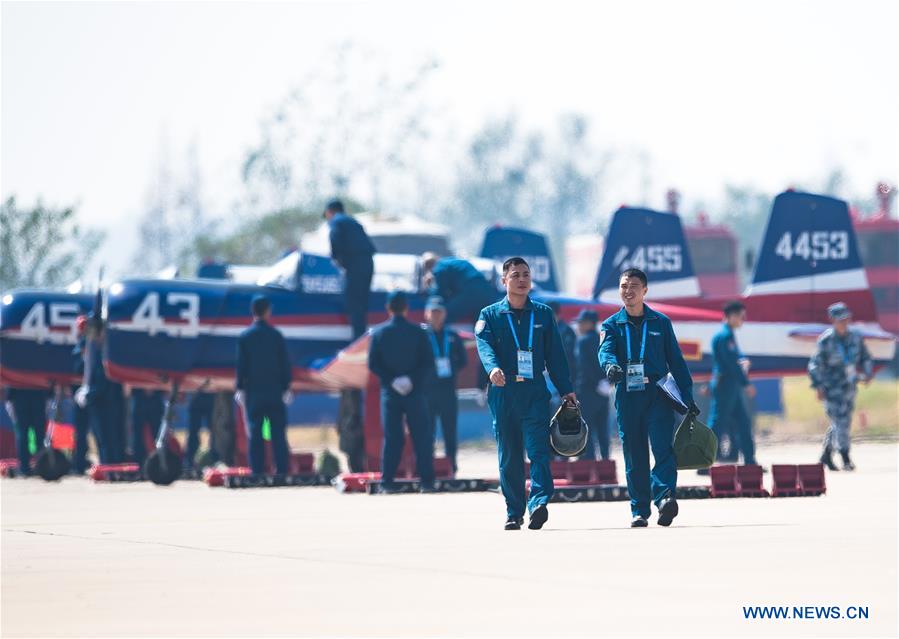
pixel 147 315
pixel 817 245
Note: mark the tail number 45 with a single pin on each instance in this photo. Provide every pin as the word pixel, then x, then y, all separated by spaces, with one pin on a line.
pixel 817 245
pixel 147 315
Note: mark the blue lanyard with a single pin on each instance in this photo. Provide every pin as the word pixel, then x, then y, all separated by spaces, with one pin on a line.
pixel 627 330
pixel 843 351
pixel 433 335
pixel 530 332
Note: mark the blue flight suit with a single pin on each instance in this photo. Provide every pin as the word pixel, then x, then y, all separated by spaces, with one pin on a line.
pixel 80 416
pixel 264 374
pixel 569 343
pixel 30 407
pixel 199 412
pixel 147 408
pixel 105 407
pixel 399 348
pixel 646 414
pixel 521 408
pixel 440 392
pixel 594 405
pixel 465 290
pixel 352 249
pixel 728 408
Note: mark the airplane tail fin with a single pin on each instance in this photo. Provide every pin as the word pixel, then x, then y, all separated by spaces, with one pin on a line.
pixel 501 243
pixel 808 260
pixel 653 242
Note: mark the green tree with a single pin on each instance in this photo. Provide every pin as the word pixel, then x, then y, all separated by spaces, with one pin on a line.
pixel 43 246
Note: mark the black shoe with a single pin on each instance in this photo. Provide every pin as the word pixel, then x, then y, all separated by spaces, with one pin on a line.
pixel 389 489
pixel 514 523
pixel 538 518
pixel 639 521
pixel 847 463
pixel 826 459
pixel 703 471
pixel 427 489
pixel 667 511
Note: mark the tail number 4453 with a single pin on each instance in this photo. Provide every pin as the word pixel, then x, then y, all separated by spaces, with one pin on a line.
pixel 817 245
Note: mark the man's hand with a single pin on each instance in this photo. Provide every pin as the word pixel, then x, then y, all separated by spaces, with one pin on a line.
pixel 750 391
pixel 497 378
pixel 866 379
pixel 402 385
pixel 614 373
pixel 694 409
pixel 571 398
pixel 239 397
pixel 80 396
pixel 10 410
pixel 821 394
pixel 287 397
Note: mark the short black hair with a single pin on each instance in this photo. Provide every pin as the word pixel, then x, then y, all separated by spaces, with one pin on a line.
pixel 514 261
pixel 335 206
pixel 732 308
pixel 260 305
pixel 635 272
pixel 397 302
pixel 555 306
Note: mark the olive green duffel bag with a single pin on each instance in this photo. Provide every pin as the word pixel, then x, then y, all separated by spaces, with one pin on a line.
pixel 695 445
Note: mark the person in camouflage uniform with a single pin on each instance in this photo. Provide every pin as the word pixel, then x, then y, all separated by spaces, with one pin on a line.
pixel 840 362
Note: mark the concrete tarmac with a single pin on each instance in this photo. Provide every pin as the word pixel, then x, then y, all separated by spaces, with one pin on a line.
pixel 85 559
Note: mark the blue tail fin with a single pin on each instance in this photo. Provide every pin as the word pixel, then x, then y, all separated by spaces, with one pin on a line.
pixel 501 243
pixel 810 253
pixel 653 242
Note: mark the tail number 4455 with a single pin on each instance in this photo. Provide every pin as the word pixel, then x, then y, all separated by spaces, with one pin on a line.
pixel 817 245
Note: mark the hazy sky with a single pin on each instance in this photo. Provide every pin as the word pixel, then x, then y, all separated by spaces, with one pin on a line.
pixel 766 93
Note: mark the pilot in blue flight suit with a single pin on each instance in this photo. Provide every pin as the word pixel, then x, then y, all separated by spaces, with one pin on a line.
pixel 569 337
pixel 147 408
pixel 263 386
pixel 464 290
pixel 352 250
pixel 638 349
pixel 591 385
pixel 729 381
pixel 516 339
pixel 449 358
pixel 400 356
pixel 28 410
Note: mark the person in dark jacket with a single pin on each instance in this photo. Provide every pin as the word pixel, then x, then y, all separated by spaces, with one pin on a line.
pixel 591 385
pixel 263 386
pixel 353 251
pixel 28 410
pixel 402 359
pixel 464 289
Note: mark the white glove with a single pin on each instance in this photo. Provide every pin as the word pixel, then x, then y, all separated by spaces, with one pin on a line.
pixel 402 385
pixel 604 388
pixel 81 396
pixel 10 411
pixel 238 397
pixel 287 397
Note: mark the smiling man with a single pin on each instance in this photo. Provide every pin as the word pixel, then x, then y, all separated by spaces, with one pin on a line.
pixel 638 349
pixel 517 339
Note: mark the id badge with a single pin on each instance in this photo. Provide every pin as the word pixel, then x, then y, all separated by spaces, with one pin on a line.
pixel 636 380
pixel 444 370
pixel 526 364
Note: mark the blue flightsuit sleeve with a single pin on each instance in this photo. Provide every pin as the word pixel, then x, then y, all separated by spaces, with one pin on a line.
pixel 816 364
pixel 556 360
pixel 241 363
pixel 458 357
pixel 608 350
pixel 677 365
pixel 336 238
pixel 864 359
pixel 376 363
pixel 286 369
pixel 584 362
pixel 727 359
pixel 486 341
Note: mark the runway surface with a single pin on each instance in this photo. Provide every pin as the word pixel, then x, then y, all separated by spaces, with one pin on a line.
pixel 85 559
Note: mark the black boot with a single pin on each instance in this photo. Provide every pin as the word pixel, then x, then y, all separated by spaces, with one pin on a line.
pixel 826 460
pixel 847 463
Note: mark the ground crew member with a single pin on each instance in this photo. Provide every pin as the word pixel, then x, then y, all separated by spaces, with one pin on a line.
pixel 840 362
pixel 569 337
pixel 730 380
pixel 591 385
pixel 28 410
pixel 81 418
pixel 448 350
pixel 517 338
pixel 199 413
pixel 352 250
pixel 400 356
pixel 147 408
pixel 103 399
pixel 638 349
pixel 263 386
pixel 465 291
